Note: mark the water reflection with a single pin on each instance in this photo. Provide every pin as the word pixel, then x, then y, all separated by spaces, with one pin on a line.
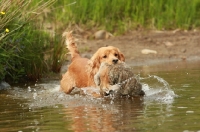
pixel 171 104
pixel 85 113
pixel 106 118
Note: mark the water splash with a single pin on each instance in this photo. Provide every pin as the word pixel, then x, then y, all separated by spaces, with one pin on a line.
pixel 157 89
pixel 48 94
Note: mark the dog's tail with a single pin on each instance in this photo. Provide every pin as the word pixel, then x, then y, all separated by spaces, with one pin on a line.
pixel 71 44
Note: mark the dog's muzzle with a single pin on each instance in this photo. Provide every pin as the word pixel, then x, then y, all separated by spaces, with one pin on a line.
pixel 115 61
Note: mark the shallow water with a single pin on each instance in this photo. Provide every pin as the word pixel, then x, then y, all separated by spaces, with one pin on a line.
pixel 171 104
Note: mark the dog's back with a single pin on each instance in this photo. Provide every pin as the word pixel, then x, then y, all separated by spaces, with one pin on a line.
pixel 76 75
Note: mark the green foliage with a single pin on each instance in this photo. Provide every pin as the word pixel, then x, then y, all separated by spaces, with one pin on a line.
pixel 121 15
pixel 33 43
pixel 22 42
pixel 29 50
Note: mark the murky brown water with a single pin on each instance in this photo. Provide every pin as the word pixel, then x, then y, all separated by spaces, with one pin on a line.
pixel 171 103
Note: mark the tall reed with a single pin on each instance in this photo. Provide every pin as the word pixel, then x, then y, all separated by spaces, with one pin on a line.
pixel 22 43
pixel 122 15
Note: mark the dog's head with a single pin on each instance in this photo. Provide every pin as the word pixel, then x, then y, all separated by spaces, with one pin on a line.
pixel 110 55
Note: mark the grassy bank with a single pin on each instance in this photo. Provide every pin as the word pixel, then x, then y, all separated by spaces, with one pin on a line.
pixel 122 15
pixel 23 42
pixel 30 30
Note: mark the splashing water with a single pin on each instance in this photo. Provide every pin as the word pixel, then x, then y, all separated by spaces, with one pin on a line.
pixel 48 94
pixel 157 89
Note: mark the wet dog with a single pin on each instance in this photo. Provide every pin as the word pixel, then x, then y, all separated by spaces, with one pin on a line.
pixel 81 71
pixel 118 79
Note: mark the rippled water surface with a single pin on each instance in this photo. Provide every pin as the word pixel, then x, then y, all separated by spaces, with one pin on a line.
pixel 171 104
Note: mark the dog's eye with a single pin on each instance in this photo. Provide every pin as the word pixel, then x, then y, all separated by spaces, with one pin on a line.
pixel 104 56
pixel 116 54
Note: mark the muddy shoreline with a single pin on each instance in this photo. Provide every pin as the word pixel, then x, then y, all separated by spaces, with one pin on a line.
pixel 170 46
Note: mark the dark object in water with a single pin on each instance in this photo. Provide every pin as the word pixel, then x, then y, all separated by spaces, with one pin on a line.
pixel 4 85
pixel 118 79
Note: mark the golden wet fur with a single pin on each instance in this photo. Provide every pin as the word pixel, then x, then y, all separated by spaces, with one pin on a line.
pixel 81 71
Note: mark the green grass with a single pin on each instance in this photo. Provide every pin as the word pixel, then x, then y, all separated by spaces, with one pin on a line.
pixel 28 50
pixel 122 15
pixel 22 40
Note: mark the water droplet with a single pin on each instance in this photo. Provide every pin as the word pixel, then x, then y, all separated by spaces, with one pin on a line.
pixel 29 88
pixel 189 112
pixel 181 107
pixel 34 95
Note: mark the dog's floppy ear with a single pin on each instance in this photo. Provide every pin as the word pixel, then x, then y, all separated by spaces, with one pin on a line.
pixel 95 60
pixel 121 56
pixel 94 64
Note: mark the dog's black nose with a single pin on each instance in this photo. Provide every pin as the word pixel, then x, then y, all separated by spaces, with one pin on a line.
pixel 115 61
pixel 111 92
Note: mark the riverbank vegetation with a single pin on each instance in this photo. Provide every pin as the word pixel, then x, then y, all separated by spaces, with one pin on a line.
pixel 23 42
pixel 30 30
pixel 122 15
